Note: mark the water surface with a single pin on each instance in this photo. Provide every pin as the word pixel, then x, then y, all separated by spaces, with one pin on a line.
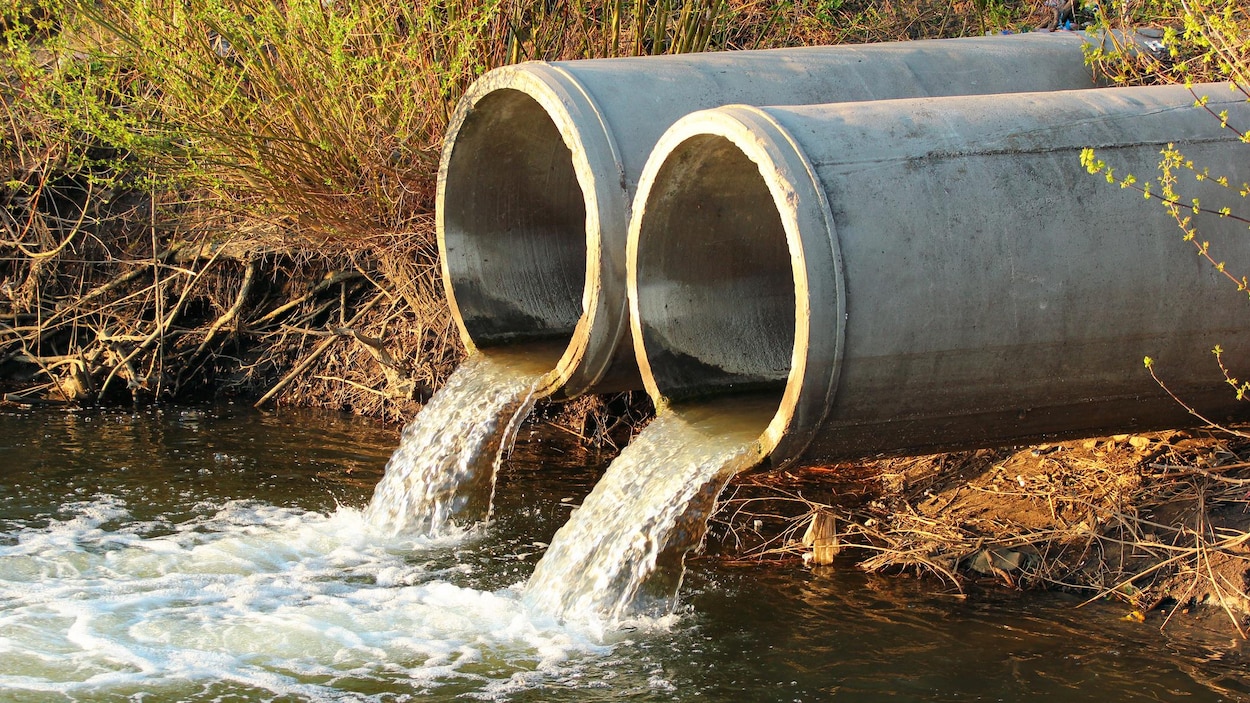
pixel 221 554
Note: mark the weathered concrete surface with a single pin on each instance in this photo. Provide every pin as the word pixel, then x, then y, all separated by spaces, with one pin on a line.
pixel 917 275
pixel 542 160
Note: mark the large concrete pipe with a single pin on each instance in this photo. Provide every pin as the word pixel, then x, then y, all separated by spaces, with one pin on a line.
pixel 928 274
pixel 541 162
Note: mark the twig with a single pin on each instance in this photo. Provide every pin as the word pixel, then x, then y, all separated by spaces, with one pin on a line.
pixel 376 348
pixel 245 288
pixel 111 285
pixel 1208 474
pixel 361 386
pixel 162 326
pixel 314 355
pixel 332 279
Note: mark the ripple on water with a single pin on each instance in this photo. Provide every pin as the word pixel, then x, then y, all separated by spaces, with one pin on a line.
pixel 279 601
pixel 156 583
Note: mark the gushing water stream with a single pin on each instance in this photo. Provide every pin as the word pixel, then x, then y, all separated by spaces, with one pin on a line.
pixel 621 552
pixel 443 472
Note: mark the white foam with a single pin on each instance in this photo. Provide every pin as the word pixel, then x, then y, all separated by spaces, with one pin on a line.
pixel 261 598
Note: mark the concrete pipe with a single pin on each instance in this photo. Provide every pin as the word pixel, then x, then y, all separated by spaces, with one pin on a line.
pixel 920 275
pixel 541 162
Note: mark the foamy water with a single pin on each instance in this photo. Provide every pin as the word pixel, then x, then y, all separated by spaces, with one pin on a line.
pixel 131 571
pixel 443 473
pixel 255 600
pixel 621 553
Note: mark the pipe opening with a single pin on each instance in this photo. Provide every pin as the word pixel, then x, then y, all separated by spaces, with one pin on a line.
pixel 715 285
pixel 515 232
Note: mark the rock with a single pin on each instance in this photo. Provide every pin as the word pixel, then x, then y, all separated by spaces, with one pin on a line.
pixel 995 560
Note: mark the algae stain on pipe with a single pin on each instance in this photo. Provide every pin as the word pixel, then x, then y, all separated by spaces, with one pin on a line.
pixel 542 160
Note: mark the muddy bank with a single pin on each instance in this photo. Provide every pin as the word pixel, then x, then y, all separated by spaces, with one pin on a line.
pixel 1157 521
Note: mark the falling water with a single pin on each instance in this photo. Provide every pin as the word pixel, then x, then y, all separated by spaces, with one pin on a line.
pixel 621 553
pixel 443 472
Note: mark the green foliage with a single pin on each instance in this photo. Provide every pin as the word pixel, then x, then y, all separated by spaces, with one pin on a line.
pixel 29 20
pixel 1204 41
pixel 1174 170
pixel 324 117
pixel 1201 41
pixel 65 156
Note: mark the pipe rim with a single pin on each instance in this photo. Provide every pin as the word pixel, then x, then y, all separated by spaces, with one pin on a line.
pixel 600 177
pixel 816 266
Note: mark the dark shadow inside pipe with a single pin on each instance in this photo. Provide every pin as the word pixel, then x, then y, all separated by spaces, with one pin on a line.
pixel 515 229
pixel 715 286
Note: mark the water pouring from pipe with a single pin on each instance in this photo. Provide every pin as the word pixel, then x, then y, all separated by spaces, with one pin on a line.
pixel 442 475
pixel 621 553
pixel 533 204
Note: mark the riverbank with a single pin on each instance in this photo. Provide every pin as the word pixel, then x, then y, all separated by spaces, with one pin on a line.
pixel 209 201
pixel 261 226
pixel 1158 522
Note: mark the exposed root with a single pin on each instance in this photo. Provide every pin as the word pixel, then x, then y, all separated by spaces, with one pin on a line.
pixel 150 315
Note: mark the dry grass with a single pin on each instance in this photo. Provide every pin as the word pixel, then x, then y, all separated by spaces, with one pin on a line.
pixel 1159 521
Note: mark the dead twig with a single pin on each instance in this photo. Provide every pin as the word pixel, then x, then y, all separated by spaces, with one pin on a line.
pixel 312 357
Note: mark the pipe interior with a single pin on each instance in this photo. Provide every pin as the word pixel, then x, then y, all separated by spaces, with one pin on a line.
pixel 514 226
pixel 715 285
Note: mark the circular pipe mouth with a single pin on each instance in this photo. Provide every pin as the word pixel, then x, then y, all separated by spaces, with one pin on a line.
pixel 734 278
pixel 521 192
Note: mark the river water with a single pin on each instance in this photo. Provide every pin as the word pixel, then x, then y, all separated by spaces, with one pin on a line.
pixel 218 554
